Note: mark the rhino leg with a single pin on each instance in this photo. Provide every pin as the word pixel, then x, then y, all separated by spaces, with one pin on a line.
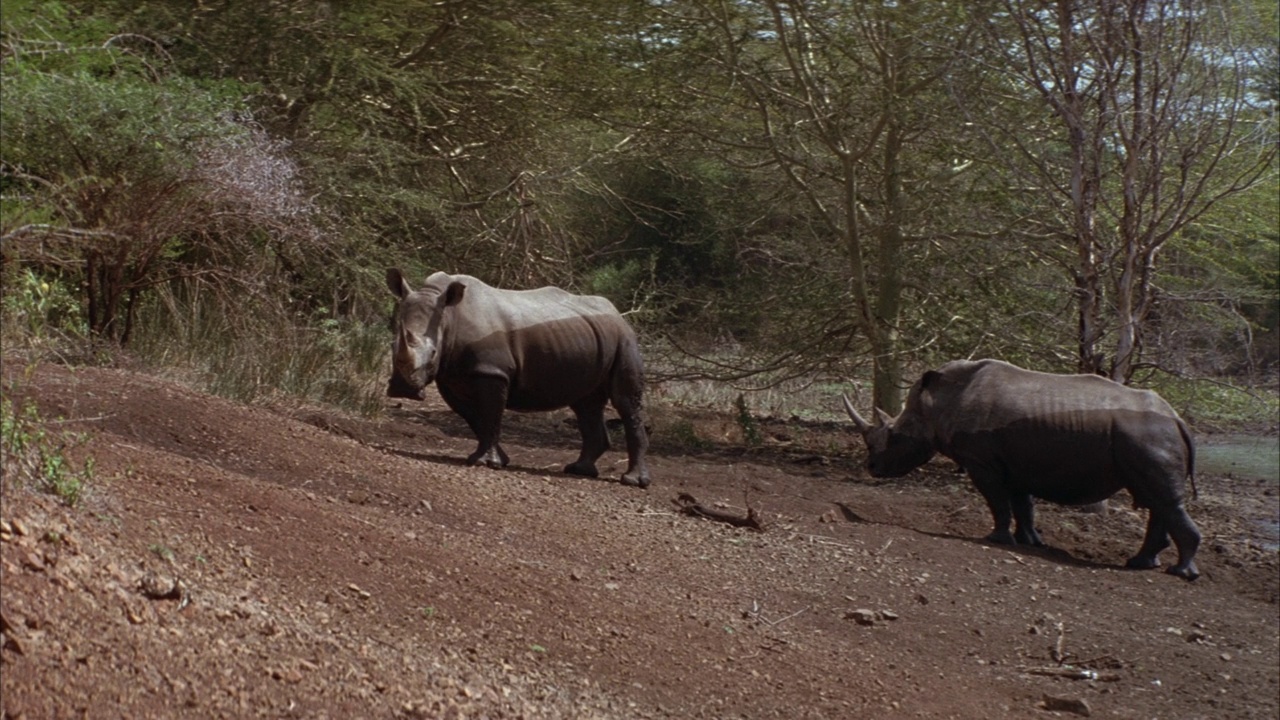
pixel 482 409
pixel 1187 537
pixel 595 438
pixel 1156 540
pixel 999 502
pixel 1024 512
pixel 1164 523
pixel 626 396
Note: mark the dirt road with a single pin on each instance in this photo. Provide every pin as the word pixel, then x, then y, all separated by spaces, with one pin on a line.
pixel 239 561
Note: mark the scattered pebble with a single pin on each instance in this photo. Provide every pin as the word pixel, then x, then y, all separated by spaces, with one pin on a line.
pixel 1054 703
pixel 862 616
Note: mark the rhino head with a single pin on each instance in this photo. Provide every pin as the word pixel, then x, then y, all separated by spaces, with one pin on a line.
pixel 893 450
pixel 419 330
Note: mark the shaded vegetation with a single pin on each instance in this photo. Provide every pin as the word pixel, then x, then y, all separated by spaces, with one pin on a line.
pixel 774 192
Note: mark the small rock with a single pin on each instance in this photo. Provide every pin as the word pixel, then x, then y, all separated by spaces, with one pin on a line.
pixel 33 561
pixel 288 675
pixel 1226 657
pixel 862 616
pixel 1054 703
pixel 888 615
pixel 12 644
pixel 19 527
pixel 1196 636
pixel 162 587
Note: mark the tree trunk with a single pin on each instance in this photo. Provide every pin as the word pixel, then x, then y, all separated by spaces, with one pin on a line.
pixel 887 387
pixel 1085 184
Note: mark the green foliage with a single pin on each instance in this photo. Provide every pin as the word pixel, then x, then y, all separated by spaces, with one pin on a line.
pixel 33 456
pixel 162 551
pixel 116 166
pixel 682 435
pixel 35 308
pixel 1214 405
pixel 235 176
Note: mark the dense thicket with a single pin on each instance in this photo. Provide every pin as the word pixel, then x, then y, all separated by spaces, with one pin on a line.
pixel 770 186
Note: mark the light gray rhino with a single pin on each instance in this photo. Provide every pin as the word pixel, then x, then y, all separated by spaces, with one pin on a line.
pixel 488 350
pixel 1069 439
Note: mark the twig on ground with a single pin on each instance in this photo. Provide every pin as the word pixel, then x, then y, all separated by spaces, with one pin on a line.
pixel 781 620
pixel 1057 653
pixel 689 505
pixel 1110 662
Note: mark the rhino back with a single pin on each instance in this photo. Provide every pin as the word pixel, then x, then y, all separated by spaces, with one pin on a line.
pixel 554 347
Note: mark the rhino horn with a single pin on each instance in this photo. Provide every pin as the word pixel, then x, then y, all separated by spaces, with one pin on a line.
pixel 883 418
pixel 861 424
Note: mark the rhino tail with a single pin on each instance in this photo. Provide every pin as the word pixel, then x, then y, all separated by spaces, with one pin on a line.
pixel 1191 458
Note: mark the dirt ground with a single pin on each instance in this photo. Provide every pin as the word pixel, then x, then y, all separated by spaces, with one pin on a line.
pixel 236 561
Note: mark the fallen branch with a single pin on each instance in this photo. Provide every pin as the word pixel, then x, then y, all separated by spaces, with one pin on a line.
pixel 758 613
pixel 689 505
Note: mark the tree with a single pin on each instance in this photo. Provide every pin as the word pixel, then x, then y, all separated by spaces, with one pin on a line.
pixel 1150 126
pixel 444 134
pixel 839 101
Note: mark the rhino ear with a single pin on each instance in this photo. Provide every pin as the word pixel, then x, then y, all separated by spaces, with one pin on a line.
pixel 929 378
pixel 397 284
pixel 883 418
pixel 862 425
pixel 453 294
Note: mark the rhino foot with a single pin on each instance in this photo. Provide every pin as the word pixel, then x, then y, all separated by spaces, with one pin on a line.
pixel 640 480
pixel 582 468
pixel 494 458
pixel 1186 572
pixel 1001 537
pixel 1029 538
pixel 1144 562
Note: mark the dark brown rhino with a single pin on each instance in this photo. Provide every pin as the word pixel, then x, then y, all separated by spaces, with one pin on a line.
pixel 1069 439
pixel 530 350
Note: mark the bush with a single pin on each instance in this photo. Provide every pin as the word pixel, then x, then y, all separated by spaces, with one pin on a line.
pixel 36 308
pixel 248 346
pixel 33 456
pixel 125 175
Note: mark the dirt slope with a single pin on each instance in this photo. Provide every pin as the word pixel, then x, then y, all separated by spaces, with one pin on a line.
pixel 239 562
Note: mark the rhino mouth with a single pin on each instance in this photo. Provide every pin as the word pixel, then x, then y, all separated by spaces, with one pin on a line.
pixel 398 387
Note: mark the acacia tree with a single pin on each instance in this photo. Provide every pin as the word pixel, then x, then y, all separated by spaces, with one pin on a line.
pixel 1149 127
pixel 838 98
pixel 126 176
pixel 444 133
